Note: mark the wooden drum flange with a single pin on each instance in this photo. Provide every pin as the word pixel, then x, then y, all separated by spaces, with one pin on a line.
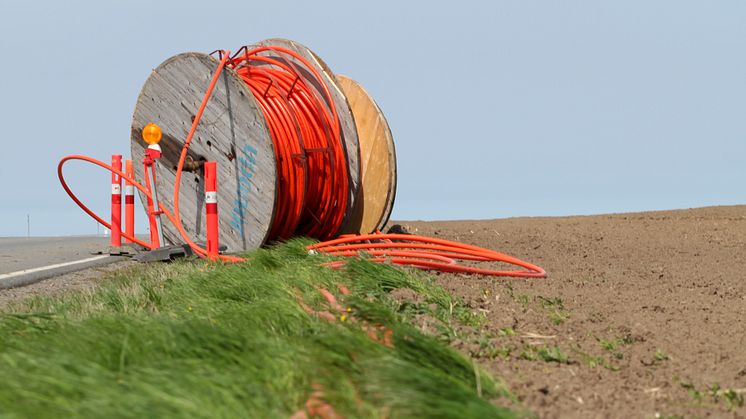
pixel 232 132
pixel 378 160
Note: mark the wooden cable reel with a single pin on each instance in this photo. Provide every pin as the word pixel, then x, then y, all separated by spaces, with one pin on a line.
pixel 234 133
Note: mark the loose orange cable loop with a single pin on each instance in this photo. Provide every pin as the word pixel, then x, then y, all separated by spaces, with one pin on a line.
pixel 406 249
pixel 137 185
pixel 88 210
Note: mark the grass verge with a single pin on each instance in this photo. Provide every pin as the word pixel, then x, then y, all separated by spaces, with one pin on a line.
pixel 253 339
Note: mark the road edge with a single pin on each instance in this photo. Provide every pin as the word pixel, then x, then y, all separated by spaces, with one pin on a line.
pixel 38 276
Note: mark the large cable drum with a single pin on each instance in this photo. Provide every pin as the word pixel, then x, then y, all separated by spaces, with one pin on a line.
pixel 234 132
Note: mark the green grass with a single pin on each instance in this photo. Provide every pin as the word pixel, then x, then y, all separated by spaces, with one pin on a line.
pixel 553 354
pixel 191 339
pixel 660 356
pixel 558 317
pixel 544 353
pixel 506 331
pixel 609 344
pixel 714 394
pixel 592 361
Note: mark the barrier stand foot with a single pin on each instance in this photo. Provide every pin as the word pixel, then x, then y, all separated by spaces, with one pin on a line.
pixel 165 253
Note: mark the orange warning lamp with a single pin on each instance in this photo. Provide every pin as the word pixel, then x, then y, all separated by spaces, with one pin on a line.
pixel 152 134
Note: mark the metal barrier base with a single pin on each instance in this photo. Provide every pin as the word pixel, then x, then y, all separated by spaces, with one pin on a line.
pixel 165 253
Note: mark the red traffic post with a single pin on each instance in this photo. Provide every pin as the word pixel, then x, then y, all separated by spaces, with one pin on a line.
pixel 151 208
pixel 129 201
pixel 116 204
pixel 152 154
pixel 211 209
pixel 152 135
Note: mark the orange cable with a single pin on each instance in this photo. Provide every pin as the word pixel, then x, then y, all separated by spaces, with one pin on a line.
pixel 312 167
pixel 406 249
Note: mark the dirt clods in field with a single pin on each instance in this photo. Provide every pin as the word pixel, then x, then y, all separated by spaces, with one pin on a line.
pixel 643 315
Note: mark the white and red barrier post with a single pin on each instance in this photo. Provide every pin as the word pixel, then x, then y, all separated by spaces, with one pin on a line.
pixel 152 154
pixel 129 201
pixel 211 209
pixel 116 203
pixel 151 211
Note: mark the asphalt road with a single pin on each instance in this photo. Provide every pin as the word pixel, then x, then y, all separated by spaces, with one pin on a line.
pixel 26 260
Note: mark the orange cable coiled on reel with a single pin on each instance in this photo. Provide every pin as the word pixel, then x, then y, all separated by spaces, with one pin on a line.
pixel 305 129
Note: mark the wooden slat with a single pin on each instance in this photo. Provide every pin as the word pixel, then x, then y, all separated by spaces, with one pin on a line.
pixel 378 159
pixel 232 132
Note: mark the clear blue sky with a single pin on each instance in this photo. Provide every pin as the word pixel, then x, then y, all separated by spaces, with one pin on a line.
pixel 498 108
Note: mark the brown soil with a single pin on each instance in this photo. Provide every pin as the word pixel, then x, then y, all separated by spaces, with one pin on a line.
pixel 648 308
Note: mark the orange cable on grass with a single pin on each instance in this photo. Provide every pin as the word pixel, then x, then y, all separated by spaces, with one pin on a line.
pixel 425 253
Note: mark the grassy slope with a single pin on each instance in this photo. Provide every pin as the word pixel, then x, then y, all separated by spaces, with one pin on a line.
pixel 199 340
